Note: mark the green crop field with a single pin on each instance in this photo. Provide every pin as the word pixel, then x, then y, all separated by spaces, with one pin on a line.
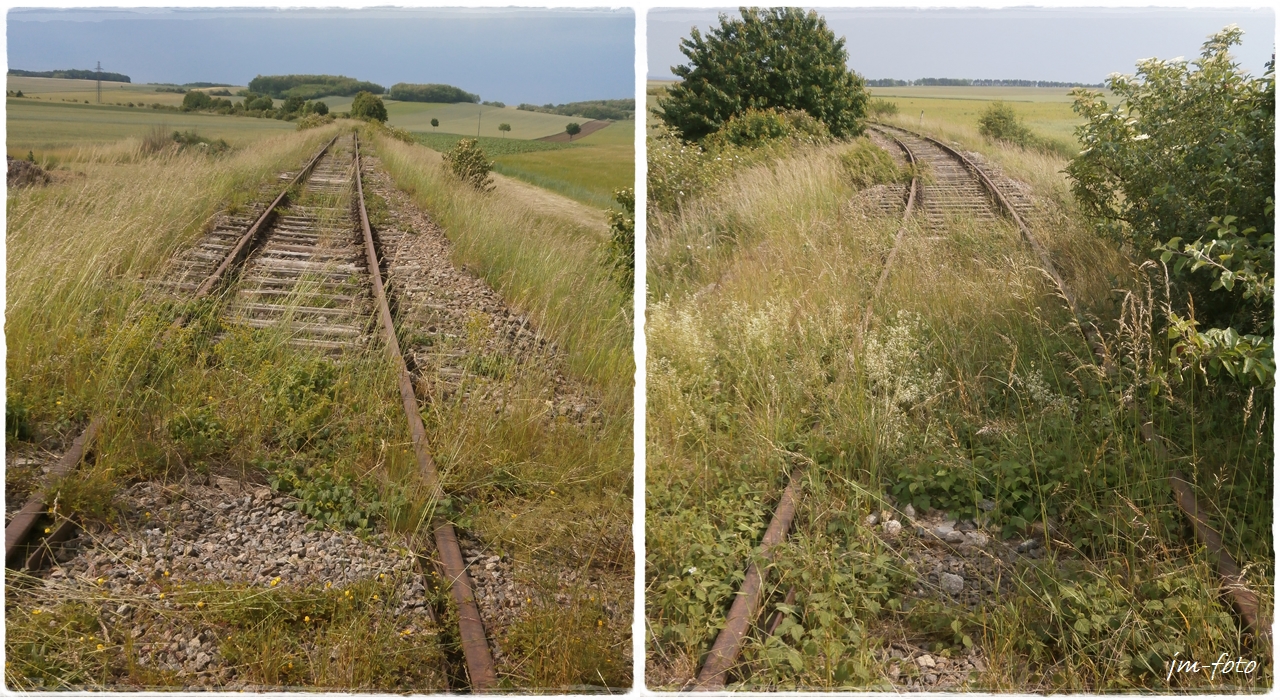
pixel 1047 111
pixel 589 169
pixel 43 126
pixel 461 119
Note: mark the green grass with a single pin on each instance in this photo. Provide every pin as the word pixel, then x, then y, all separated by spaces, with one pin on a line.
pixel 54 126
pixel 1047 111
pixel 970 384
pixel 462 119
pixel 555 495
pixel 588 170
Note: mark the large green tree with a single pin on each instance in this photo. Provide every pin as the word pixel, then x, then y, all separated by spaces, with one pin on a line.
pixel 782 58
pixel 1182 167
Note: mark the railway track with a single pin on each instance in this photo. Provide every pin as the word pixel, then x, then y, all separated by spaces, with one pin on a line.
pixel 958 187
pixel 307 263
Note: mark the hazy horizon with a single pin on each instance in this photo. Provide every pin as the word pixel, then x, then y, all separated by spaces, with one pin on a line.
pixel 1057 44
pixel 508 54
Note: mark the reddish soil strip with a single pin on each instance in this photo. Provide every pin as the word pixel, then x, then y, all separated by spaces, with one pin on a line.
pixel 588 128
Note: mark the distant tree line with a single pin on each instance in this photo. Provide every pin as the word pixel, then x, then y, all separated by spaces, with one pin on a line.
pixel 253 105
pixel 980 82
pixel 590 109
pixel 430 92
pixel 73 74
pixel 309 87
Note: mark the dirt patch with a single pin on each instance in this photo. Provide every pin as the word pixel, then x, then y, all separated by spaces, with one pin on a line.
pixel 588 128
pixel 23 173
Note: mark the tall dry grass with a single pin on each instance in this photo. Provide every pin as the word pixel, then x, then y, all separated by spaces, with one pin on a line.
pixel 553 495
pixel 549 268
pixel 971 384
pixel 80 250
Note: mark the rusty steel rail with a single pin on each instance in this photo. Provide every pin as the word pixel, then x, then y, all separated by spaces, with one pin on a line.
pixel 1244 600
pixel 747 603
pixel 475 647
pixel 18 531
pixel 242 246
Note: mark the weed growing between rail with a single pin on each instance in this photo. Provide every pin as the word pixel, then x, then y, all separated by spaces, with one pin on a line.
pixel 971 393
pixel 285 638
pixel 86 336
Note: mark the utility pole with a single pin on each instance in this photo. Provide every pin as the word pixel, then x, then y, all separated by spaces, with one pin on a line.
pixel 99 82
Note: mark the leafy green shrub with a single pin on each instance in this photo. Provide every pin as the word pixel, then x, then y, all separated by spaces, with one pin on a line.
pixel 679 170
pixel 311 121
pixel 756 128
pixel 782 58
pixel 881 107
pixel 331 500
pixel 195 100
pixel 867 165
pixel 368 106
pixel 302 398
pixel 621 249
pixel 1187 145
pixel 1001 123
pixel 198 434
pixel 470 165
pixel 190 139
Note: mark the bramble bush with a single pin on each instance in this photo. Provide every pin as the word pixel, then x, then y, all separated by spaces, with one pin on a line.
pixel 1182 167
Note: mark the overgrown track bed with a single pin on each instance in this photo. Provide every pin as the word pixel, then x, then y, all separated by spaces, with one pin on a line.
pixel 745 610
pixel 953 188
pixel 305 266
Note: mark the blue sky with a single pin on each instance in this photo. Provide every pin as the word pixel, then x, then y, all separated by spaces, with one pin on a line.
pixel 512 55
pixel 1062 44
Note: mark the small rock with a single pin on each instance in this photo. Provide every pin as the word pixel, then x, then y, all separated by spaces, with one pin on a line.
pixel 979 664
pixel 1026 546
pixel 987 505
pixel 925 661
pixel 872 520
pixel 955 537
pixel 951 583
pixel 909 511
pixel 892 528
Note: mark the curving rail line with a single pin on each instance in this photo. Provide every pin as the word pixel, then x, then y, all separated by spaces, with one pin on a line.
pixel 746 605
pixel 958 187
